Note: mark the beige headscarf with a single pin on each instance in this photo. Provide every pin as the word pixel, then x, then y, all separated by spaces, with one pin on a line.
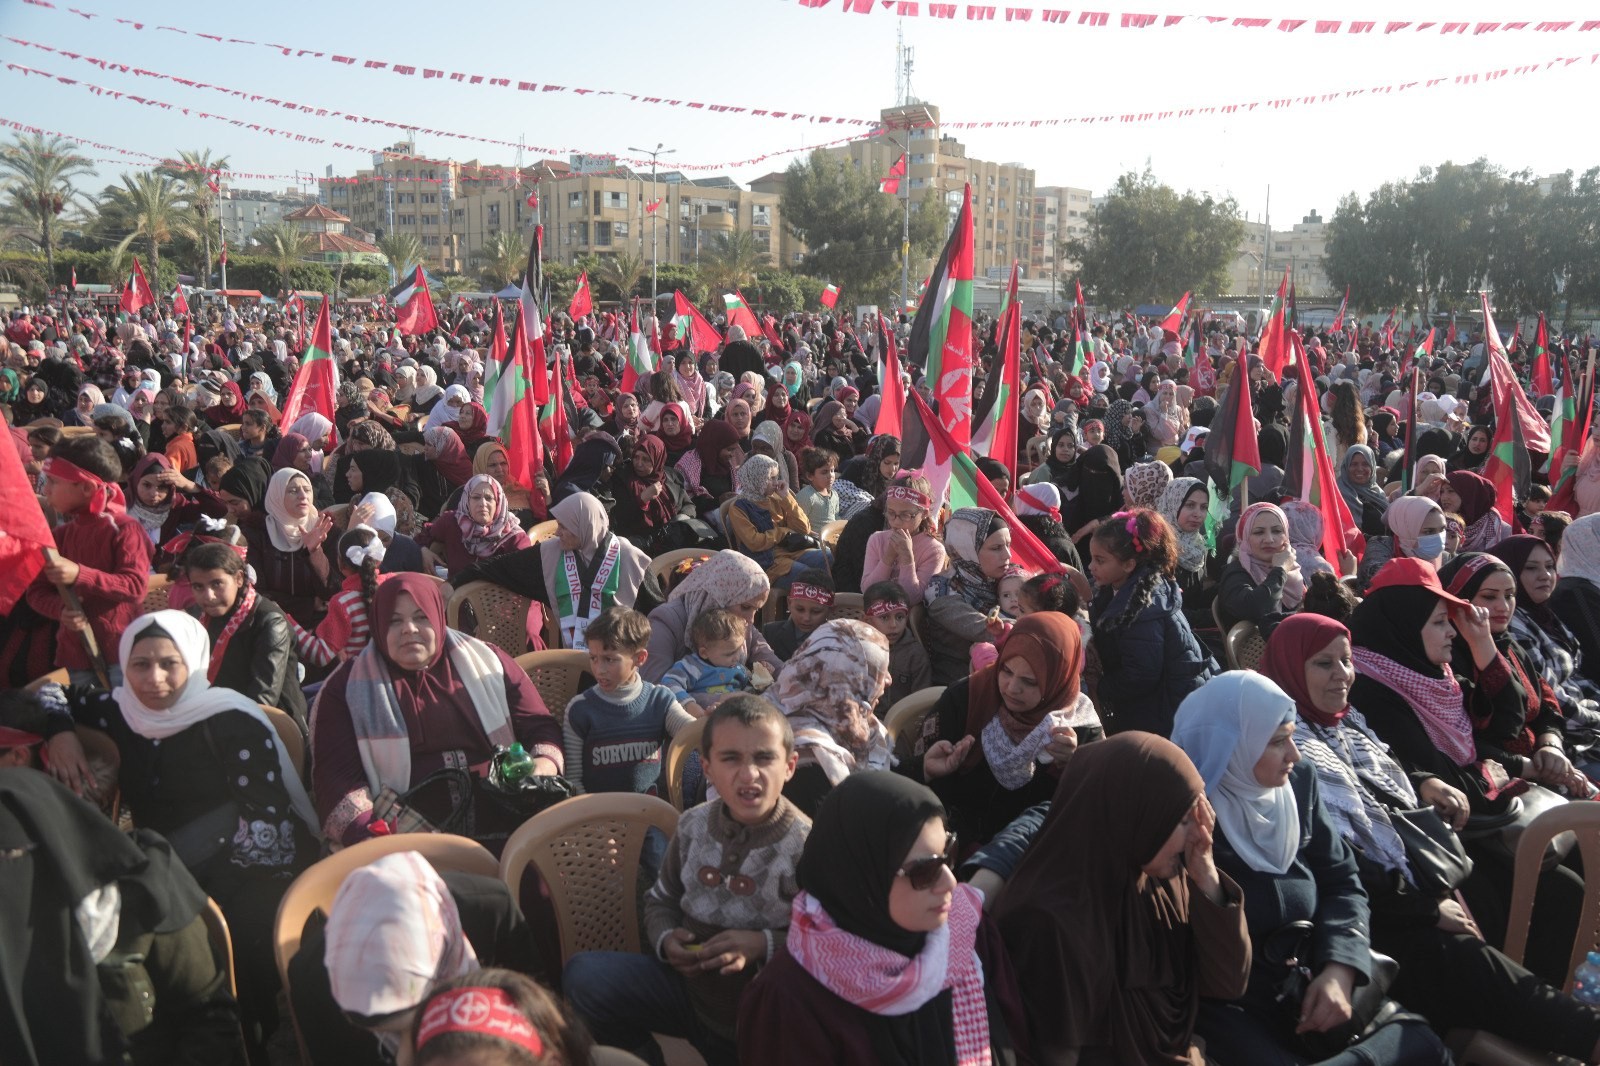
pixel 827 691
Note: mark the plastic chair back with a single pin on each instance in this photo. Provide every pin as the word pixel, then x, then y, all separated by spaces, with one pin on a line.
pixel 829 533
pixel 1583 819
pixel 57 677
pixel 847 605
pixel 1245 646
pixel 500 615
pixel 557 674
pixel 542 532
pixel 294 741
pixel 156 593
pixel 904 719
pixel 676 758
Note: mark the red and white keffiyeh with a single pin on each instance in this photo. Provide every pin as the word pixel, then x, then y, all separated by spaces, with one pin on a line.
pixel 1436 701
pixel 886 982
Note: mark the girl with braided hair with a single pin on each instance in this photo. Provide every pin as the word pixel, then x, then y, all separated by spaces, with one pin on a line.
pixel 1149 657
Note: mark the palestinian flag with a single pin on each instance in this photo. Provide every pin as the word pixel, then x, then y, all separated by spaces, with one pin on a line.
pixel 995 417
pixel 689 324
pixel 554 429
pixel 582 302
pixel 641 360
pixel 739 314
pixel 1338 319
pixel 1309 474
pixel 926 444
pixel 1274 346
pixel 316 383
pixel 413 304
pixel 533 314
pixel 1425 348
pixel 136 293
pixel 513 413
pixel 941 336
pixel 891 408
pixel 830 296
pixel 1172 325
pixel 1231 451
pixel 1565 430
pixel 1082 350
pixel 1543 383
pixel 1518 427
pixel 1386 337
pixel 180 303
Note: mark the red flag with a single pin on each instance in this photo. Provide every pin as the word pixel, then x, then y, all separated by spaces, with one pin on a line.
pixel 1174 319
pixel 553 418
pixel 641 358
pixel 830 296
pixel 316 384
pixel 1309 473
pixel 1274 346
pixel 739 314
pixel 1338 319
pixel 533 200
pixel 1543 383
pixel 891 184
pixel 691 326
pixel 72 280
pixel 413 304
pixel 891 408
pixel 582 304
pixel 23 529
pixel 653 206
pixel 524 447
pixel 136 292
pixel 1518 426
pixel 180 305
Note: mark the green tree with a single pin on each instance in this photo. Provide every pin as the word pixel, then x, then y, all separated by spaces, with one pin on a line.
pixel 403 252
pixel 1372 248
pixel 195 171
pixel 730 260
pixel 620 275
pixel 501 261
pixel 781 291
pixel 1149 244
pixel 852 231
pixel 147 205
pixel 286 246
pixel 39 172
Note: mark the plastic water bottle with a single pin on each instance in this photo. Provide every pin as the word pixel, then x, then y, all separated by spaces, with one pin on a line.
pixel 513 764
pixel 1586 980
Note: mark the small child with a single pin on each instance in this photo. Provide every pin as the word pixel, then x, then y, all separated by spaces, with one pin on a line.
pixel 719 909
pixel 103 556
pixel 716 669
pixel 887 611
pixel 347 629
pixel 905 551
pixel 1050 592
pixel 1012 605
pixel 613 734
pixel 817 499
pixel 810 600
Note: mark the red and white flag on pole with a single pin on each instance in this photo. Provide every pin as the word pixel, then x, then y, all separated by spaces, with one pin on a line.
pixel 891 184
pixel 582 302
pixel 830 296
pixel 180 303
pixel 136 292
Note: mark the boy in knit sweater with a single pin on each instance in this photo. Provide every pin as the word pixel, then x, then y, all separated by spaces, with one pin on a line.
pixel 720 907
pixel 613 733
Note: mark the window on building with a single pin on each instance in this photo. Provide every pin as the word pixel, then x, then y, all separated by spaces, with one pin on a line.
pixel 761 214
pixel 1005 182
pixel 918 159
pixel 494 213
pixel 430 220
pixel 919 183
pixel 602 234
pixel 798 257
pixel 685 209
pixel 619 230
pixel 430 197
pixel 575 199
pixel 598 195
pixel 577 233
pixel 1003 203
pixel 763 240
pixel 950 173
pixel 616 199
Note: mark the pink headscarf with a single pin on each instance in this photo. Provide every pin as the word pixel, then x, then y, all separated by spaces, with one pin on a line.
pixel 1294 586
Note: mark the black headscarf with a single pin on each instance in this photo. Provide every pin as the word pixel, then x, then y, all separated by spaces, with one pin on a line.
pixel 593 456
pixel 1099 485
pixel 859 839
pixel 1390 621
pixel 380 471
pixel 1514 552
pixel 57 850
pixel 1061 470
pixel 248 481
pixel 213 442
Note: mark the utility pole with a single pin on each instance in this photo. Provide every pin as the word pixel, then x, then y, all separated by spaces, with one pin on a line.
pixel 653 153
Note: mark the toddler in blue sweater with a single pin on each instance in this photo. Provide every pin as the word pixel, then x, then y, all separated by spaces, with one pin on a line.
pixel 716 669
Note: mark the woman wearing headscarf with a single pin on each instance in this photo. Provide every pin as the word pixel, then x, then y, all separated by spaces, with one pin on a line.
pixel 1358 475
pixel 1168 422
pixel 862 480
pixel 1474 452
pixel 1550 652
pixel 1418 531
pixel 834 431
pixel 229 409
pixel 1038 507
pixel 1274 839
pixel 717 453
pixel 1117 920
pixel 1474 499
pixel 888 959
pixel 767 523
pixel 996 741
pixel 1403 633
pixel 293 452
pixel 373 470
pixel 794 383
pixel 35 402
pixel 738 415
pixel 1184 503
pixel 797 433
pixel 1144 483
pixel 730 580
pixel 1060 465
pixel 695 394
pixel 649 495
pixel 963 602
pixel 1034 418
pixel 593 464
pixel 448 455
pixel 1577 595
pixel 767 439
pixel 285 533
pixel 1120 435
pixel 1305 537
pixel 481 527
pixel 827 691
pixel 419 698
pixel 1447 973
pixel 1098 494
pixel 89 397
pixel 315 428
pixel 427 393
pixel 108 959
pixel 448 408
pixel 777 408
pixel 1264 581
pixel 206 769
pixel 151 495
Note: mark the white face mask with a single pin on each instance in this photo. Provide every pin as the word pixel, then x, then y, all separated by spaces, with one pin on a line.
pixel 1429 546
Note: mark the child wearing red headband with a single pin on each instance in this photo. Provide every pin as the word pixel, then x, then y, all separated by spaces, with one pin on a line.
pixel 905 550
pixel 810 603
pixel 887 609
pixel 496 1016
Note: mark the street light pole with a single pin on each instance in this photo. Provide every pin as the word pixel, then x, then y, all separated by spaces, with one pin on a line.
pixel 654 215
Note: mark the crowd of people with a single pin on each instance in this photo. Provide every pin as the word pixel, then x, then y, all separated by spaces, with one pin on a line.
pixel 1097 845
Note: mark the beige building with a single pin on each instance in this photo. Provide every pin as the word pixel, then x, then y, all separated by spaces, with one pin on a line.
pixel 938 166
pixel 400 193
pixel 1244 272
pixel 1304 248
pixel 1060 214
pixel 334 245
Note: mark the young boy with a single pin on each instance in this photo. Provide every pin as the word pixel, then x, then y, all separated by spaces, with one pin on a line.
pixel 104 556
pixel 613 734
pixel 720 907
pixel 716 669
pixel 817 499
pixel 810 600
pixel 909 669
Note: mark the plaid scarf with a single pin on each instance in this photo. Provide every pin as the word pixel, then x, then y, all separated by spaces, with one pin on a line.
pixel 241 611
pixel 1436 700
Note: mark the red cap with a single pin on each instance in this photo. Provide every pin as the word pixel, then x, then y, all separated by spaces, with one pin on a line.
pixel 1415 573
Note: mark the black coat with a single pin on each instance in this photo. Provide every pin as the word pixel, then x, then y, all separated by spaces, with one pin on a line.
pixel 260 662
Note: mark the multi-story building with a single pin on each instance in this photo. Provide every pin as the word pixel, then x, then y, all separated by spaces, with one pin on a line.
pixel 1304 249
pixel 243 211
pixel 938 166
pixel 334 245
pixel 491 201
pixel 401 193
pixel 1060 214
pixel 1249 259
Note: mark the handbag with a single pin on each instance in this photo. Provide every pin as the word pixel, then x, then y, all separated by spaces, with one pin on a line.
pixel 1439 864
pixel 455 800
pixel 1285 947
pixel 1498 834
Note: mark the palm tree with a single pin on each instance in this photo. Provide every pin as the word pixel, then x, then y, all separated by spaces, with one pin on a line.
pixel 196 172
pixel 501 261
pixel 40 172
pixel 152 206
pixel 287 245
pixel 402 250
pixel 730 261
pixel 362 287
pixel 624 270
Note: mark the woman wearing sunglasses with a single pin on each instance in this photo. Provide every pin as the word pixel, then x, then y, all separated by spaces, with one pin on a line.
pixel 888 960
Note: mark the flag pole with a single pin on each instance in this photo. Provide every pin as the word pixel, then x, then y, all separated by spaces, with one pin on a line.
pixel 70 598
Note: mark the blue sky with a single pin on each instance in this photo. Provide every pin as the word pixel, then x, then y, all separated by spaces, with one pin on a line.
pixel 777 55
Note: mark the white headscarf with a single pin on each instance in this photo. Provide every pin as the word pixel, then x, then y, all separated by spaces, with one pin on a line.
pixel 198 700
pixel 383 514
pixel 286 532
pixel 1224 727
pixel 443 411
pixel 1580 550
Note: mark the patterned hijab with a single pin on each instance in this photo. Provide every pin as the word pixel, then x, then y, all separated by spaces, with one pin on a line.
pixel 1145 482
pixel 754 477
pixel 725 580
pixel 1192 547
pixel 484 540
pixel 964 535
pixel 831 684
